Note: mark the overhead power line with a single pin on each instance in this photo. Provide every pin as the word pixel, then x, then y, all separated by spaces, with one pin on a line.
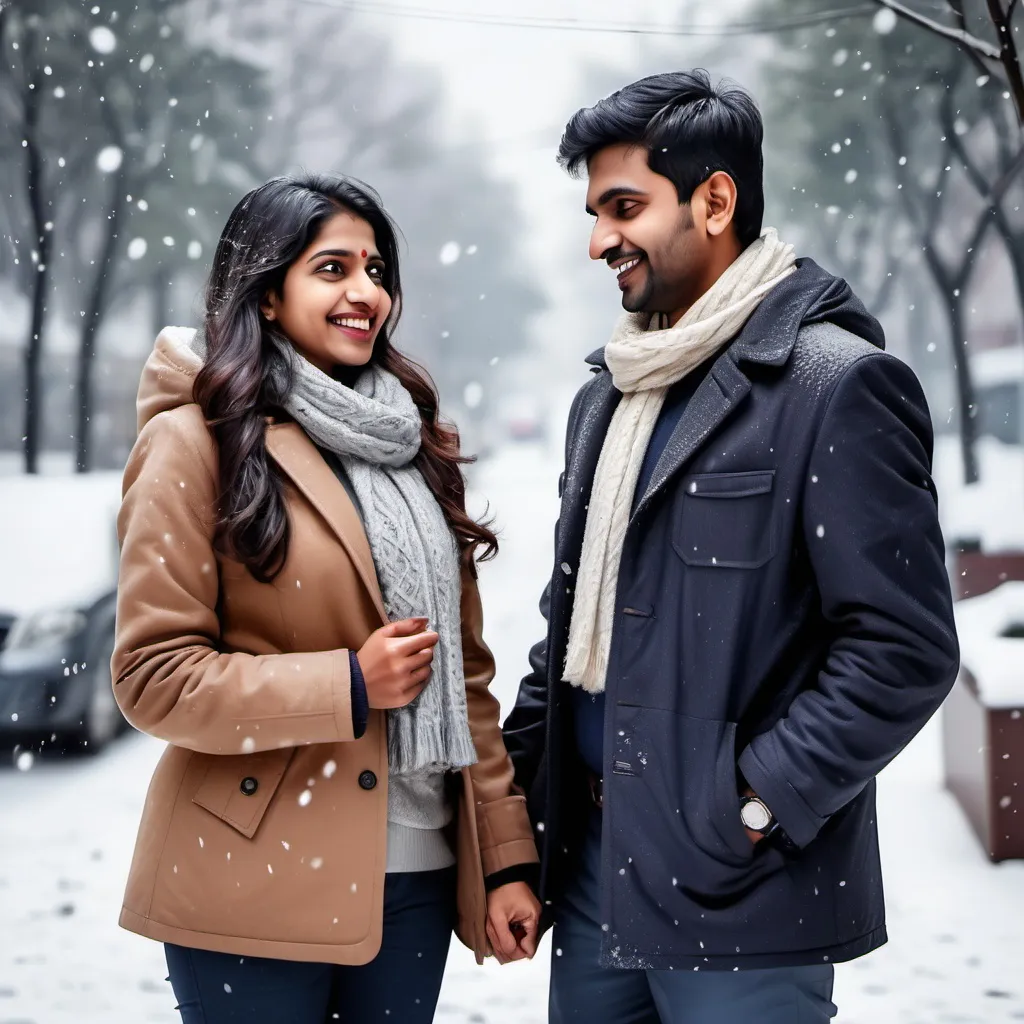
pixel 781 24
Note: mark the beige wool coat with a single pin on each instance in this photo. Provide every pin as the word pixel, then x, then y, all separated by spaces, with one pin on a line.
pixel 263 832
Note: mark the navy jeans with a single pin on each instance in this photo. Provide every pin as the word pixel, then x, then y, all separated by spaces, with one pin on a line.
pixel 583 992
pixel 401 984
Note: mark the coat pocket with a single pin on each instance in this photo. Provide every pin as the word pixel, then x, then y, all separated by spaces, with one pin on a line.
pixel 239 789
pixel 725 520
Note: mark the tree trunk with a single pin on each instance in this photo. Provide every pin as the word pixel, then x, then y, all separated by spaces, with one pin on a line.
pixel 93 318
pixel 39 286
pixel 965 389
pixel 160 290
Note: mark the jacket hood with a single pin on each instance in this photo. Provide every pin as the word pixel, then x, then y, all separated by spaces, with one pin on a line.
pixel 828 298
pixel 808 296
pixel 169 374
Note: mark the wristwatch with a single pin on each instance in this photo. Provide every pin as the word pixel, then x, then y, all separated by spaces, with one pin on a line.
pixel 755 816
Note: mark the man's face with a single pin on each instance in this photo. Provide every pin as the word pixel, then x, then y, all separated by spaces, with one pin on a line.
pixel 642 231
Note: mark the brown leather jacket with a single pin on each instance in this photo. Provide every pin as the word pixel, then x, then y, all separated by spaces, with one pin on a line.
pixel 263 832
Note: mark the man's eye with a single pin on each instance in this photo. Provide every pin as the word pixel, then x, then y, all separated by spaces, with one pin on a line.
pixel 626 208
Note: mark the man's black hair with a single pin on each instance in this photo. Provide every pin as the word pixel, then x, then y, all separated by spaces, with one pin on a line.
pixel 690 129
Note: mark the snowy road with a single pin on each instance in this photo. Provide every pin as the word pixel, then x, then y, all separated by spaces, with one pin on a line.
pixel 956 922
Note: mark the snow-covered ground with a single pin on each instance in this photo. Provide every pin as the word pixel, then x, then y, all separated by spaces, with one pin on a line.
pixel 956 922
pixel 990 510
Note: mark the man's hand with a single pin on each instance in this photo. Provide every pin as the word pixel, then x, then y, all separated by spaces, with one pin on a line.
pixel 513 920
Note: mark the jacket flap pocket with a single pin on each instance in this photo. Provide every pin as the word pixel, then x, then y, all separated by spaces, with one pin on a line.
pixel 735 529
pixel 238 789
pixel 730 485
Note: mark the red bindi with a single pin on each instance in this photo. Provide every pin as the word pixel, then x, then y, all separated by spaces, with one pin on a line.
pixel 364 254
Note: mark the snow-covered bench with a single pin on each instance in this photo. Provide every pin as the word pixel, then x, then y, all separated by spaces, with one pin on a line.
pixel 983 719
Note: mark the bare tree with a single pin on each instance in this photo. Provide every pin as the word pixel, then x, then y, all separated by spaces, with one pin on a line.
pixel 22 48
pixel 1003 55
pixel 164 131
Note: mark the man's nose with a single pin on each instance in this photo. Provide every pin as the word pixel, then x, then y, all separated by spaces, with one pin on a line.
pixel 603 238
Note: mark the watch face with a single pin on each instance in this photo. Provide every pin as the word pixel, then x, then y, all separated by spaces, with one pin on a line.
pixel 755 815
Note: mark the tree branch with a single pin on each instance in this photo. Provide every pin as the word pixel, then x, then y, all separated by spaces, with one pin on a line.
pixel 1008 54
pixel 957 8
pixel 957 35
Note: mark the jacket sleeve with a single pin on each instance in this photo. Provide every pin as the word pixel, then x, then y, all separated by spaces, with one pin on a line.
pixel 503 826
pixel 871 529
pixel 525 728
pixel 171 679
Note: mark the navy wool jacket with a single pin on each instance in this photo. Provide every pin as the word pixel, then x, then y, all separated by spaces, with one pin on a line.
pixel 783 620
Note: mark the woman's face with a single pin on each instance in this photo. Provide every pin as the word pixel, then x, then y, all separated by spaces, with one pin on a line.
pixel 332 304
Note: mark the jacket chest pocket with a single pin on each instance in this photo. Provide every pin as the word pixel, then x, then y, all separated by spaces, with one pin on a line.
pixel 725 520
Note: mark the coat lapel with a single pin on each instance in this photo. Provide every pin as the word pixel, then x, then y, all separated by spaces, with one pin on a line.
pixel 721 391
pixel 586 440
pixel 293 451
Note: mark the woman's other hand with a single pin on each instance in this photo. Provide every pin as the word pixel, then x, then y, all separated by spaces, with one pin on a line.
pixel 395 662
pixel 513 922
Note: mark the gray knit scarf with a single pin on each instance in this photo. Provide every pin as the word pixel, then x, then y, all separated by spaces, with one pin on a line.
pixel 374 429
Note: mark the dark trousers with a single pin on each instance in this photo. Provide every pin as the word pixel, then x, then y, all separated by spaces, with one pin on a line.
pixel 401 984
pixel 583 992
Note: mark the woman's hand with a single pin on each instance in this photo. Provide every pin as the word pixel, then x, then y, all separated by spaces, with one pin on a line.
pixel 513 921
pixel 395 662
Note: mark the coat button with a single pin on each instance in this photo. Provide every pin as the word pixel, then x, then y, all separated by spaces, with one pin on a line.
pixel 249 785
pixel 367 780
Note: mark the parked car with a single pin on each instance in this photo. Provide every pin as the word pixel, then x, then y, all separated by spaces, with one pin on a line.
pixel 58 576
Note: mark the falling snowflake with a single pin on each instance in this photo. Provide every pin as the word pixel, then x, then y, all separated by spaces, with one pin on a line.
pixel 884 21
pixel 109 159
pixel 102 40
pixel 449 253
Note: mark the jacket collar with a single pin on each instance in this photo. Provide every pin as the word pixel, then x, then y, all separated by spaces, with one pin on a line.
pixel 767 339
pixel 770 334
pixel 296 454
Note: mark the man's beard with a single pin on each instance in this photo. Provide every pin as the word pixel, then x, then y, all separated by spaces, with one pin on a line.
pixel 653 297
pixel 656 295
pixel 641 302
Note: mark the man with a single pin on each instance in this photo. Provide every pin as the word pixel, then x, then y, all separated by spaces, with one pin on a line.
pixel 749 615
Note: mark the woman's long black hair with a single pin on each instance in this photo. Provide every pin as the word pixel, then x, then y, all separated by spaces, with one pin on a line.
pixel 263 237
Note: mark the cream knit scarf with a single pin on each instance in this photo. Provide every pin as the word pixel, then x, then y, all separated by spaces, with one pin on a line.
pixel 644 364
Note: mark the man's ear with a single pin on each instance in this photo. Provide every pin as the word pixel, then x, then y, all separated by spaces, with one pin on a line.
pixel 719 202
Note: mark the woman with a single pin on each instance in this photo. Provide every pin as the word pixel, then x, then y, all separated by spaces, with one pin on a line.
pixel 298 618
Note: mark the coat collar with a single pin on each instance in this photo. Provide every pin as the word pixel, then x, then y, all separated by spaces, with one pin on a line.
pixel 767 339
pixel 295 453
pixel 587 435
pixel 770 334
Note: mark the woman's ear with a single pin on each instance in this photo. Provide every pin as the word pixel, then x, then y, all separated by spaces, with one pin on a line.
pixel 268 306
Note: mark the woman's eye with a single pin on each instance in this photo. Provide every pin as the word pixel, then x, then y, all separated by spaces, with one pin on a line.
pixel 377 273
pixel 333 267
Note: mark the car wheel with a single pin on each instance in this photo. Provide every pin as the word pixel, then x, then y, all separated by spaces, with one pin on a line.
pixel 103 720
